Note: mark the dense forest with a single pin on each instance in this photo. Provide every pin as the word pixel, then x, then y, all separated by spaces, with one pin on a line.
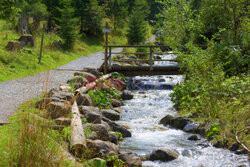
pixel 211 38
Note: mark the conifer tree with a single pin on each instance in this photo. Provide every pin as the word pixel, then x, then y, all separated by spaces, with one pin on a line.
pixel 67 24
pixel 138 26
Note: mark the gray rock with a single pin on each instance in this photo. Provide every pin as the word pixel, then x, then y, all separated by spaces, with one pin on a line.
pixel 111 114
pixel 163 154
pixel 113 137
pixel 64 87
pixel 93 117
pixel 104 147
pixel 180 122
pixel 101 131
pixel 127 95
pixel 118 128
pixel 86 109
pixel 234 147
pixel 42 104
pixel 193 138
pixel 192 127
pixel 166 120
pixel 79 80
pixel 84 74
pixel 131 159
pixel 116 103
pixel 61 95
pixel 116 64
pixel 117 109
pixel 93 71
pixel 58 109
pixel 63 121
pixel 84 99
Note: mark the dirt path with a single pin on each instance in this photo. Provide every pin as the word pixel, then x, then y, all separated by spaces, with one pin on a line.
pixel 15 92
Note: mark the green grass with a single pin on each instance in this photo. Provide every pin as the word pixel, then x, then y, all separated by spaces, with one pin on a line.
pixel 21 63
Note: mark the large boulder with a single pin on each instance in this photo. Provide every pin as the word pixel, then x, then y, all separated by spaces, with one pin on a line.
pixel 103 147
pixel 93 117
pixel 93 71
pixel 166 120
pixel 42 104
pixel 163 155
pixel 111 114
pixel 68 96
pixel 118 128
pixel 90 77
pixel 101 131
pixel 131 159
pixel 116 103
pixel 127 95
pixel 113 137
pixel 192 127
pixel 84 99
pixel 86 109
pixel 193 138
pixel 180 122
pixel 59 109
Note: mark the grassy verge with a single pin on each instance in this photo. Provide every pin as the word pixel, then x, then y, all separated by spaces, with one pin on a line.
pixel 25 143
pixel 25 62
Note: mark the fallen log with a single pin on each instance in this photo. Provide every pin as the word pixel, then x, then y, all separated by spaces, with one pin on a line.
pixel 77 140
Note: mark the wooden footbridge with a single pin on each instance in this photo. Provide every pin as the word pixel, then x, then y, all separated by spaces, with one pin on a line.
pixel 135 67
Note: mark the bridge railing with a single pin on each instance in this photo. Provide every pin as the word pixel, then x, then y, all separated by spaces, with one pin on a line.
pixel 109 53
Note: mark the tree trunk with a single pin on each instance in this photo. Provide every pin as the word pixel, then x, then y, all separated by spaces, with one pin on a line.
pixel 77 140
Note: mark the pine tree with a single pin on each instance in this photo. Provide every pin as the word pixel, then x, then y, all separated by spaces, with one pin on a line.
pixel 93 16
pixel 137 24
pixel 67 24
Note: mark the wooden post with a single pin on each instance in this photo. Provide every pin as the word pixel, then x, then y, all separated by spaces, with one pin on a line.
pixel 110 60
pixel 106 51
pixel 151 59
pixel 41 50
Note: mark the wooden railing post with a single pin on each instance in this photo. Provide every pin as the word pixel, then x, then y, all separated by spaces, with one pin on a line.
pixel 151 59
pixel 110 60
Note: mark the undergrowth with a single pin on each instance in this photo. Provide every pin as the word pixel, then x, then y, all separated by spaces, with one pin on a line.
pixel 219 101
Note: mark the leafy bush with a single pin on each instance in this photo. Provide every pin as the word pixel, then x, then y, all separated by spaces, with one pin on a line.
pixel 213 97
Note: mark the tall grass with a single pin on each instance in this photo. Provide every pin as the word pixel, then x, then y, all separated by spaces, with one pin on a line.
pixel 25 62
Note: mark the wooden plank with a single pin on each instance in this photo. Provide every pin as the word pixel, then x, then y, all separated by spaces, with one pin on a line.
pixel 145 70
pixel 145 60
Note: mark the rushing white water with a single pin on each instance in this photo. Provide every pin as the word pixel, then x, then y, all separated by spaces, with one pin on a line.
pixel 143 113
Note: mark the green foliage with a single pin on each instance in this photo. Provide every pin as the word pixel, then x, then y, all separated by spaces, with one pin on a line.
pixel 67 24
pixel 214 130
pixel 95 163
pixel 119 134
pixel 115 161
pixel 88 131
pixel 92 18
pixel 9 11
pixel 116 75
pixel 66 133
pixel 117 11
pixel 138 28
pixel 211 96
pixel 102 97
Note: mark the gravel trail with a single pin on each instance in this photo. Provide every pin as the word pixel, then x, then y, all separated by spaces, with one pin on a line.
pixel 15 92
